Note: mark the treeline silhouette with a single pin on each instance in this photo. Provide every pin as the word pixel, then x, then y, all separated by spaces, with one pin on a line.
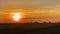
pixel 43 22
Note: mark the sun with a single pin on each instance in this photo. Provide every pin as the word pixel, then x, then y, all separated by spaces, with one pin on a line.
pixel 17 16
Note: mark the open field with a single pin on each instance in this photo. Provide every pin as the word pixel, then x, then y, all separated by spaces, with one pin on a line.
pixel 32 28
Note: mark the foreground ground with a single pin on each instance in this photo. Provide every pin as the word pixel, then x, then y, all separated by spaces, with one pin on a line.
pixel 45 28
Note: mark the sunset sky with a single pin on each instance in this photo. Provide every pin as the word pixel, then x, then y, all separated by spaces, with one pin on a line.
pixel 32 10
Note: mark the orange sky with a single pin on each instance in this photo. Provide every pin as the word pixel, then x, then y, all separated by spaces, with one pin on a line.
pixel 32 10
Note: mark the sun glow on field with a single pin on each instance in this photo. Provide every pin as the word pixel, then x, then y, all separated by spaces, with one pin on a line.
pixel 17 16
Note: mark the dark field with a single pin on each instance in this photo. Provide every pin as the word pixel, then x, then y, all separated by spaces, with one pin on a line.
pixel 32 28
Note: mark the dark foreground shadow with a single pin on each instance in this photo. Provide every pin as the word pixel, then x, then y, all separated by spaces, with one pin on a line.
pixel 8 29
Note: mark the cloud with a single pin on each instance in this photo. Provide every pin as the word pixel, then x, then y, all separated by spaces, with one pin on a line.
pixel 27 4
